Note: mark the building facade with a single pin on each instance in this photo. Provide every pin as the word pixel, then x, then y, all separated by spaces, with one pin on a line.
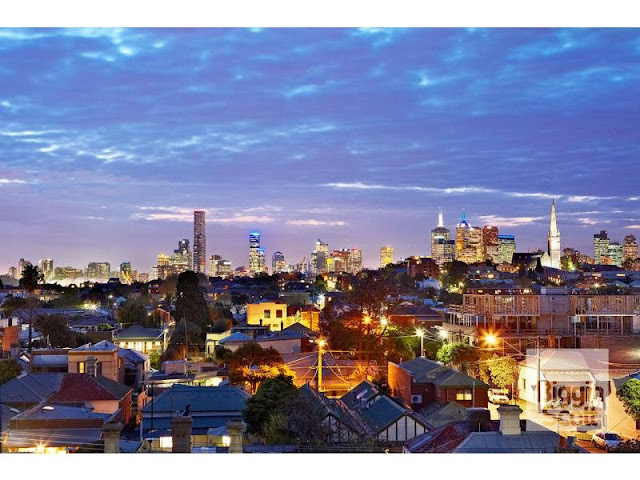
pixel 506 247
pixel 629 248
pixel 278 263
pixel 256 254
pixel 199 242
pixel 600 246
pixel 386 256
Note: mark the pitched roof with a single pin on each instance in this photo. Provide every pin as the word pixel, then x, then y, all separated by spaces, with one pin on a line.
pixel 200 399
pixel 382 413
pixel 140 332
pixel 365 390
pixel 81 387
pixel 417 311
pixel 101 346
pixel 6 413
pixel 297 328
pixel 61 437
pixel 61 412
pixel 30 388
pixel 428 371
pixel 495 442
pixel 132 355
pixel 236 337
pixel 442 415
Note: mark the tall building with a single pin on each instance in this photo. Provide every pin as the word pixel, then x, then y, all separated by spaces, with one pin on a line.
pixel 99 270
pixel 46 267
pixel 506 247
pixel 181 258
pixel 615 253
pixel 14 273
pixel 278 264
pixel 442 247
pixel 219 267
pixel 21 264
pixel 354 260
pixel 490 244
pixel 256 254
pixel 600 246
pixel 163 268
pixel 199 242
pixel 319 258
pixel 126 275
pixel 386 256
pixel 629 248
pixel 553 254
pixel 469 245
pixel 461 233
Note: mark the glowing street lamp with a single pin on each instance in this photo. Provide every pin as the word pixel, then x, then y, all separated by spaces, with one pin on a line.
pixel 420 333
pixel 443 334
pixel 491 339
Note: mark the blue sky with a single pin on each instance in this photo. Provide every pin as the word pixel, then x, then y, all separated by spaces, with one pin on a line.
pixel 109 138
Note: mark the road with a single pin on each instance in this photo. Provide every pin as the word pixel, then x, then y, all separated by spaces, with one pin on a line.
pixel 586 444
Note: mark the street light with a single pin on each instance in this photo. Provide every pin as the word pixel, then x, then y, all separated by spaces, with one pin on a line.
pixel 321 343
pixel 420 333
pixel 443 334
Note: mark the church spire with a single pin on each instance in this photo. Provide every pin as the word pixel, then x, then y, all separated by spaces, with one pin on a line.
pixel 553 226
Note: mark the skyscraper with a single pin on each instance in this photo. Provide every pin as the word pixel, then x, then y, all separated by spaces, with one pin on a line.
pixel 600 246
pixel 181 258
pixel 553 240
pixel 442 247
pixel 490 244
pixel 629 248
pixel 126 276
pixel 506 247
pixel 46 267
pixel 319 258
pixel 469 246
pixel 99 270
pixel 199 242
pixel 256 254
pixel 386 256
pixel 218 267
pixel 278 264
pixel 614 251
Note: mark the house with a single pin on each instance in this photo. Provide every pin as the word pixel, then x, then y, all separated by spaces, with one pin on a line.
pixel 278 316
pixel 29 390
pixel 6 414
pixel 107 362
pixel 420 382
pixel 209 407
pixel 98 393
pixel 143 339
pixel 49 360
pixel 408 314
pixel 47 428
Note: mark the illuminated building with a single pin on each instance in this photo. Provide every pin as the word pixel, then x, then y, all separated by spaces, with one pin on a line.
pixel 278 263
pixel 13 273
pixel 615 253
pixel 256 254
pixel 218 267
pixel 143 277
pixel 163 268
pixel 319 258
pixel 490 244
pixel 21 264
pixel 422 266
pixel 600 246
pixel 506 247
pixel 199 242
pixel 99 270
pixel 180 261
pixel 386 256
pixel 469 245
pixel 442 247
pixel 570 259
pixel 629 248
pixel 354 260
pixel 553 242
pixel 46 267
pixel 125 273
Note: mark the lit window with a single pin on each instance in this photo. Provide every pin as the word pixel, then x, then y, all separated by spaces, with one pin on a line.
pixel 166 442
pixel 157 344
pixel 149 345
pixel 467 395
pixel 80 367
pixel 267 314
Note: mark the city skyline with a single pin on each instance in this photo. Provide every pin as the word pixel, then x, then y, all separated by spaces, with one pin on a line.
pixel 121 136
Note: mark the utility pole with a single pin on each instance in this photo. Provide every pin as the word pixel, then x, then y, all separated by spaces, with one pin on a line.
pixel 539 382
pixel 320 345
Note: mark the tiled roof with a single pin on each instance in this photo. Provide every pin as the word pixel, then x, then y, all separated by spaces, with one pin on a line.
pixel 417 311
pixel 81 387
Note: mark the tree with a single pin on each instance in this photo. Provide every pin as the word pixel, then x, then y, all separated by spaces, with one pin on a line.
pixel 55 328
pixel 269 400
pixel 629 395
pixel 31 277
pixel 9 369
pixel 190 302
pixel 458 354
pixel 453 273
pixel 504 371
pixel 11 304
pixel 132 313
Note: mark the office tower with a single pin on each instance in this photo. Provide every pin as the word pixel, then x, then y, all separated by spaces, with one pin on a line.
pixel 490 244
pixel 199 242
pixel 13 273
pixel 600 246
pixel 46 267
pixel 614 251
pixel 143 277
pixel 506 247
pixel 553 240
pixel 629 248
pixel 126 275
pixel 278 264
pixel 461 233
pixel 219 267
pixel 180 261
pixel 469 245
pixel 319 258
pixel 213 265
pixel 354 260
pixel 442 247
pixel 386 256
pixel 21 264
pixel 163 268
pixel 256 254
pixel 99 270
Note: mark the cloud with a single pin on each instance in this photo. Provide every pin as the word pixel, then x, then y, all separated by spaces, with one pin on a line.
pixel 499 221
pixel 587 198
pixel 5 181
pixel 26 133
pixel 316 223
pixel 633 227
pixel 214 215
pixel 592 221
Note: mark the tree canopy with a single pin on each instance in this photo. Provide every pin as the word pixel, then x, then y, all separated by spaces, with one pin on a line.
pixel 132 312
pixel 9 369
pixel 503 370
pixel 629 395
pixel 270 399
pixel 31 277
pixel 190 303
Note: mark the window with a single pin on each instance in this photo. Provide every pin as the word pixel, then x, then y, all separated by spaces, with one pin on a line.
pixel 81 367
pixel 267 314
pixel 99 369
pixel 278 313
pixel 465 394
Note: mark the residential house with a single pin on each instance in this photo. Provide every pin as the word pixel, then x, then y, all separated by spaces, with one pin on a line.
pixel 408 314
pixel 420 382
pixel 26 391
pixel 143 339
pixel 49 360
pixel 107 361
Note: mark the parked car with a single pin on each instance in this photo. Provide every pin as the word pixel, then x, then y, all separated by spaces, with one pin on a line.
pixel 498 398
pixel 606 440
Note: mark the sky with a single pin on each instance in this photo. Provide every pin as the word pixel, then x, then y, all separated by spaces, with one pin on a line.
pixel 110 138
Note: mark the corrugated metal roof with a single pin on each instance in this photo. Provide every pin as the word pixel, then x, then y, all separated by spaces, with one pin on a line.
pixel 495 442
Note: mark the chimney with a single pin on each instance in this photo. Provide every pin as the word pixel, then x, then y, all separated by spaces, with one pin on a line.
pixel 509 419
pixel 111 437
pixel 181 434
pixel 91 366
pixel 235 429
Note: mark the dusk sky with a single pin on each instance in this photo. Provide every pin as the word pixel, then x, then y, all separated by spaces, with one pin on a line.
pixel 109 139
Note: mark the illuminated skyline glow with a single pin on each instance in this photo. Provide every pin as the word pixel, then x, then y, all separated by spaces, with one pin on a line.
pixel 111 138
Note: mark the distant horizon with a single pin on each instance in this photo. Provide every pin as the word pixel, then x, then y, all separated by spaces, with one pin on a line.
pixel 112 137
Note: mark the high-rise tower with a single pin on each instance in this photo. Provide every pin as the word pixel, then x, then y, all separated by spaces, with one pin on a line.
pixel 554 239
pixel 256 254
pixel 442 248
pixel 199 242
